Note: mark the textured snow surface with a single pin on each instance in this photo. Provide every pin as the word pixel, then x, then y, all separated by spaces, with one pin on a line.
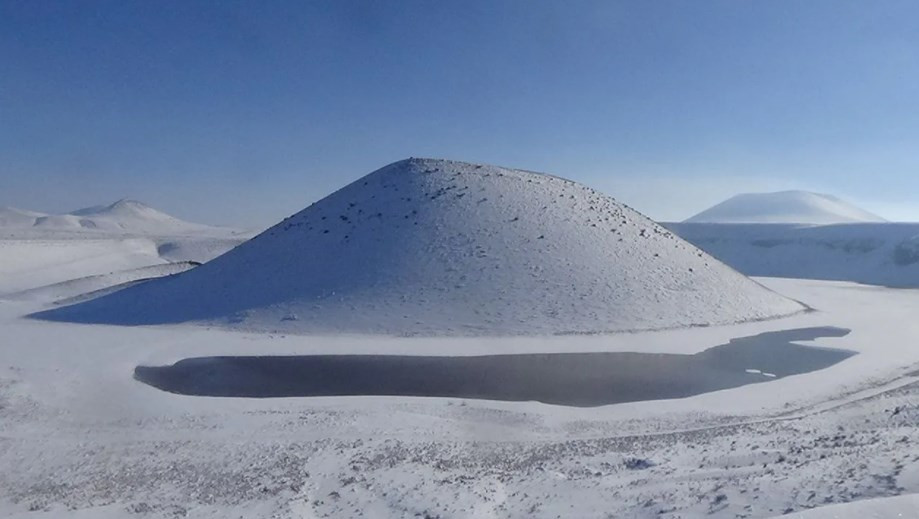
pixel 784 207
pixel 872 253
pixel 440 247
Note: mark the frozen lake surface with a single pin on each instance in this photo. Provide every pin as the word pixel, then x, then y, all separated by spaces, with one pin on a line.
pixel 573 379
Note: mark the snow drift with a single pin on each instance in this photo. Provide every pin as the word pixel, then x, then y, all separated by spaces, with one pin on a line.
pixel 784 207
pixel 438 247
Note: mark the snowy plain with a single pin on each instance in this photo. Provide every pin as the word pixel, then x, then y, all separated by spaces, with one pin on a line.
pixel 79 434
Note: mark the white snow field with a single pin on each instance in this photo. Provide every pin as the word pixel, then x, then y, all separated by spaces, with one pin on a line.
pixel 437 247
pixel 784 207
pixel 79 437
pixel 873 253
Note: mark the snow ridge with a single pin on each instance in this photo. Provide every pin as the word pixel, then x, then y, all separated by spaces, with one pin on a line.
pixel 437 247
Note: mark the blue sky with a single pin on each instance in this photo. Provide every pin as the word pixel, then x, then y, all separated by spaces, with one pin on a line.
pixel 245 112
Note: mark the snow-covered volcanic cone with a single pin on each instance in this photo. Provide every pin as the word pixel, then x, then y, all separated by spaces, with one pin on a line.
pixel 438 247
pixel 784 207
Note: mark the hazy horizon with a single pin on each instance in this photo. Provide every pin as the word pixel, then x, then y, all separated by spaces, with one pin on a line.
pixel 259 226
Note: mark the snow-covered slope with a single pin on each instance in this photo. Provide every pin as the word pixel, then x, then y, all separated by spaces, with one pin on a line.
pixel 784 207
pixel 196 248
pixel 440 247
pixel 92 284
pixel 26 264
pixel 65 222
pixel 873 253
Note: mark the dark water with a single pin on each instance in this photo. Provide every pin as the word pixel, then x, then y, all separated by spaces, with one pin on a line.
pixel 575 379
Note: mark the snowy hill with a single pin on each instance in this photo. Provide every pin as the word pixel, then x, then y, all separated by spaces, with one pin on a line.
pixel 12 217
pixel 439 247
pixel 784 207
pixel 872 253
pixel 124 216
pixel 135 216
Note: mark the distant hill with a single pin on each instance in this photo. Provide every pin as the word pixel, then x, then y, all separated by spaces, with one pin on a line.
pixel 123 216
pixel 49 248
pixel 784 207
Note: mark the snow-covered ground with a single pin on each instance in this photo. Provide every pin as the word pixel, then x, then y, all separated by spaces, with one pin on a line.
pixel 880 508
pixel 32 262
pixel 801 207
pixel 873 253
pixel 80 438
pixel 63 258
pixel 57 256
pixel 830 240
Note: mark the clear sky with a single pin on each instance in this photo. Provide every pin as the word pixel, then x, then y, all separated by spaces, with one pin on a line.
pixel 245 112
